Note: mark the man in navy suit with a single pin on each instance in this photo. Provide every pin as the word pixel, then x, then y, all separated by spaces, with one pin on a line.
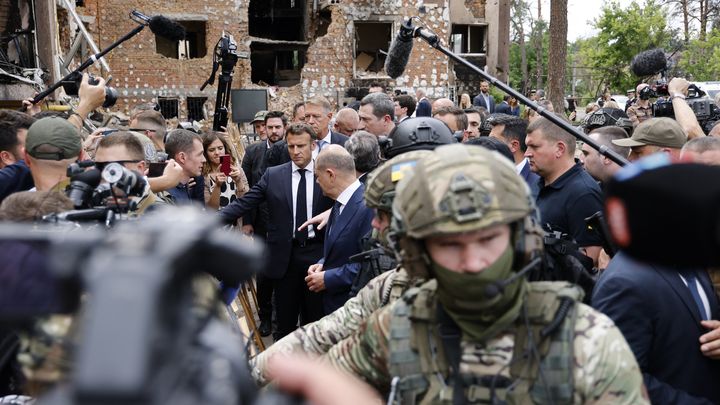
pixel 484 99
pixel 292 196
pixel 504 106
pixel 659 311
pixel 350 220
pixel 512 131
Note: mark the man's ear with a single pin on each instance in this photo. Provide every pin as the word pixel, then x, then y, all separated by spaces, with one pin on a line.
pixel 142 166
pixel 561 149
pixel 6 158
pixel 514 146
pixel 181 157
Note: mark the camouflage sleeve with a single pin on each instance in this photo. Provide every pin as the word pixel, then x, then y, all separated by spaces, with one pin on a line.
pixel 366 353
pixel 318 337
pixel 606 371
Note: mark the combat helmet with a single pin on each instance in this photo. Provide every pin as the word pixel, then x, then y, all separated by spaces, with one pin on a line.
pixel 606 117
pixel 418 133
pixel 462 188
pixel 381 183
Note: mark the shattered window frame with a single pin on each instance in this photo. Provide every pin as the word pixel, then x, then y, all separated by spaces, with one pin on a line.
pixel 370 74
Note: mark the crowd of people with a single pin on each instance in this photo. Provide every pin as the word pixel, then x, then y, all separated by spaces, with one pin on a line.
pixel 407 240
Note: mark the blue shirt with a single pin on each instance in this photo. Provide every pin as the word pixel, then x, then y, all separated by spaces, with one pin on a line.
pixel 15 177
pixel 182 195
pixel 566 203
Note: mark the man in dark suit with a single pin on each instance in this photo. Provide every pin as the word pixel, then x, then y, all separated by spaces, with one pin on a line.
pixel 424 107
pixel 292 196
pixel 349 221
pixel 255 223
pixel 512 131
pixel 659 309
pixel 484 99
pixel 504 106
pixel 318 114
pixel 365 151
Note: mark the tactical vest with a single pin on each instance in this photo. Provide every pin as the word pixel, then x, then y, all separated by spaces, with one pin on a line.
pixel 420 369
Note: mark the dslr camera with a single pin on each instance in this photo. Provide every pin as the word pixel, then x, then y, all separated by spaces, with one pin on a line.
pixel 72 86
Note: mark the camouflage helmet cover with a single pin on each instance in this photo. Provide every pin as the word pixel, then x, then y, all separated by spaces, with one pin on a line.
pixel 459 188
pixel 381 183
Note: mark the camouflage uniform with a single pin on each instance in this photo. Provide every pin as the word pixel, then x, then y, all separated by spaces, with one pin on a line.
pixel 639 114
pixel 604 371
pixel 318 337
pixel 531 342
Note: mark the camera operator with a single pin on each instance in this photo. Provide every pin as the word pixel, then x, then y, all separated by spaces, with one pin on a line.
pixel 684 115
pixel 124 148
pixel 641 109
pixel 656 135
pixel 52 144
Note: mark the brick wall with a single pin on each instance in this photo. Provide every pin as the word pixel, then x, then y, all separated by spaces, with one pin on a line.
pixel 141 75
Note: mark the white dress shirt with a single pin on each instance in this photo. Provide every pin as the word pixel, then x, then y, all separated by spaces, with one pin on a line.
pixel 701 292
pixel 327 141
pixel 309 188
pixel 345 196
pixel 520 166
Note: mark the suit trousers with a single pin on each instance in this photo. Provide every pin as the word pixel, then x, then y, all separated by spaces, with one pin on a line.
pixel 292 298
pixel 264 284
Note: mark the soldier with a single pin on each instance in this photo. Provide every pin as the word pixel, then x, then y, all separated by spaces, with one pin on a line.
pixel 479 331
pixel 320 336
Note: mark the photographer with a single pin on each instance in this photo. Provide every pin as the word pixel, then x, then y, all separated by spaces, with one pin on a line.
pixel 14 173
pixel 684 115
pixel 641 110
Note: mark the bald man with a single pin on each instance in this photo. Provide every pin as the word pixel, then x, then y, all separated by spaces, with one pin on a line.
pixel 349 221
pixel 347 121
pixel 441 103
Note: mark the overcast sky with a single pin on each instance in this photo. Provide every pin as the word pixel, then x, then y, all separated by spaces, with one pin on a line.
pixel 581 13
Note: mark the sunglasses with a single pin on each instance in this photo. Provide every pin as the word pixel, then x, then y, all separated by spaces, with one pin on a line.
pixel 101 165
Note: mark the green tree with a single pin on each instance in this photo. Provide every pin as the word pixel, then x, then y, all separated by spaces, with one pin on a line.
pixel 700 61
pixel 622 34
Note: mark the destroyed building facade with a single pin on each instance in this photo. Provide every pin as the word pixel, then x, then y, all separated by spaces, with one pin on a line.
pixel 296 48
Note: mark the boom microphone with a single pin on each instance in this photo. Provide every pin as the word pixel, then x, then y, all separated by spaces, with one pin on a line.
pixel 399 52
pixel 648 63
pixel 162 26
pixel 665 213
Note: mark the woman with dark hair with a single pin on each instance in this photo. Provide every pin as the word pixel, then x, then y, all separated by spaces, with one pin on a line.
pixel 221 189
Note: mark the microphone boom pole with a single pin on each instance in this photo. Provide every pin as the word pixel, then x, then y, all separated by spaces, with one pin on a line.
pixel 433 40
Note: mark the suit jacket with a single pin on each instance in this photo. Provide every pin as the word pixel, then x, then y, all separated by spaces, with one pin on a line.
pixel 424 108
pixel 503 107
pixel 660 321
pixel 479 101
pixel 254 165
pixel 344 240
pixel 275 189
pixel 532 179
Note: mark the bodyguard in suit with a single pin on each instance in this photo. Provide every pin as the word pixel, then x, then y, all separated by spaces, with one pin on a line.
pixel 484 99
pixel 504 106
pixel 350 220
pixel 513 131
pixel 292 196
pixel 659 309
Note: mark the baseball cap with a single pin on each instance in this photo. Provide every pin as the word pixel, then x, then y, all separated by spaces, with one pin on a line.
pixel 53 131
pixel 259 116
pixel 664 132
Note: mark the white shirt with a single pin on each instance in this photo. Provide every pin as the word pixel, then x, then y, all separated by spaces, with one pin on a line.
pixel 345 196
pixel 520 166
pixel 309 188
pixel 703 296
pixel 327 140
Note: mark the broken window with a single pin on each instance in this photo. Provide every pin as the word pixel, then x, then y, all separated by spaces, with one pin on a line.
pixel 372 41
pixel 17 50
pixel 193 46
pixel 196 108
pixel 277 19
pixel 468 39
pixel 277 64
pixel 169 107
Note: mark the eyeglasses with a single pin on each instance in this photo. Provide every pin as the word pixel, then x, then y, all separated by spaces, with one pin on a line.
pixel 101 165
pixel 141 130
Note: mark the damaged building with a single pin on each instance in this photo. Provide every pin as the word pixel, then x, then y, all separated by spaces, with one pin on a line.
pixel 294 48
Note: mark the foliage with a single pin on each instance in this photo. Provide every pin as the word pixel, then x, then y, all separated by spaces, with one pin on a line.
pixel 700 61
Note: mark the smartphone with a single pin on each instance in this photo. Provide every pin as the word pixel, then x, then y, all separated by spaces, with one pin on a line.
pixel 156 169
pixel 225 164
